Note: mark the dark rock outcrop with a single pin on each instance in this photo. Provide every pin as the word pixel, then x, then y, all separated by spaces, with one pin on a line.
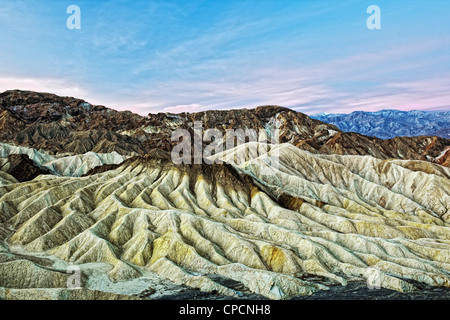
pixel 21 167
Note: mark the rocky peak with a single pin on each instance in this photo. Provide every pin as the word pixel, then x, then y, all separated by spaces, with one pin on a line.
pixel 32 106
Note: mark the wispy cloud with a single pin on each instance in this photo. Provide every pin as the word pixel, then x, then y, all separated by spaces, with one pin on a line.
pixel 361 81
pixel 184 108
pixel 407 95
pixel 190 56
pixel 58 86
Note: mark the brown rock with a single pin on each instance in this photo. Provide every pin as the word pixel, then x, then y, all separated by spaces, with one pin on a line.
pixel 23 168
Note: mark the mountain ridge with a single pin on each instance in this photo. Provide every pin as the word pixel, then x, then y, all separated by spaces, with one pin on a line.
pixel 390 123
pixel 69 125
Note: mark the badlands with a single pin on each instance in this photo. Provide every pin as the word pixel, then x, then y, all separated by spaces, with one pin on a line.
pixel 335 211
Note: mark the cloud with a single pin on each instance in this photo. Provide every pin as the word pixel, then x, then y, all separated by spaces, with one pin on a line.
pixel 57 86
pixel 388 78
pixel 298 88
pixel 184 108
pixel 158 57
pixel 423 94
pixel 275 88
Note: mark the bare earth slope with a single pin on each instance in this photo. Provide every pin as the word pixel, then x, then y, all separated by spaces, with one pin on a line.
pixel 65 165
pixel 315 221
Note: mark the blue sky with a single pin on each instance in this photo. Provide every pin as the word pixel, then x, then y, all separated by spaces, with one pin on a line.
pixel 158 56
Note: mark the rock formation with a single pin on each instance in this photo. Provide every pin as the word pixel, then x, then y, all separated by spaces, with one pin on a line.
pixel 89 187
pixel 268 228
pixel 21 167
pixel 21 159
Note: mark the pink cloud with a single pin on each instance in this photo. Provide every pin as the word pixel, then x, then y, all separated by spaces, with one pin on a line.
pixel 184 108
pixel 57 86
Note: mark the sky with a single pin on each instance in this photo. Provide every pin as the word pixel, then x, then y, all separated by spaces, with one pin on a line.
pixel 175 56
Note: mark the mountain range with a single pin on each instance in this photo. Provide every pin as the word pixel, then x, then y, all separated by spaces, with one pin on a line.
pixel 388 124
pixel 69 126
pixel 91 188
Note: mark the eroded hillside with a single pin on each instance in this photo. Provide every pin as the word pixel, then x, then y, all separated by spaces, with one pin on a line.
pixel 276 231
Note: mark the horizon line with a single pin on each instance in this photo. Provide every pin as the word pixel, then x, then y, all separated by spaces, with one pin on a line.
pixel 221 108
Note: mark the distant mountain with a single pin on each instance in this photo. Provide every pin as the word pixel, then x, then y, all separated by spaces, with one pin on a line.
pixel 388 124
